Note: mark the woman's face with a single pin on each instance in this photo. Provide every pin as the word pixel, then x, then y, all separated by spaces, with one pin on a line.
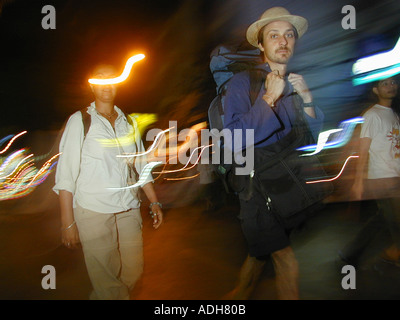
pixel 104 93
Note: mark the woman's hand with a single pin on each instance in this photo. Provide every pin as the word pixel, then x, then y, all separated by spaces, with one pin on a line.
pixel 69 230
pixel 157 216
pixel 70 237
pixel 155 206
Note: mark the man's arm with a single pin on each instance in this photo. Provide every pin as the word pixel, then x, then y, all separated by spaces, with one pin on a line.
pixel 241 115
pixel 301 88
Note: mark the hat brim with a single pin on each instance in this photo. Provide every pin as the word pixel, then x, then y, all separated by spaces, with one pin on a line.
pixel 300 23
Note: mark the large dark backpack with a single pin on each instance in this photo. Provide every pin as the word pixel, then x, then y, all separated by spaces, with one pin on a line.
pixel 285 177
pixel 225 62
pixel 280 176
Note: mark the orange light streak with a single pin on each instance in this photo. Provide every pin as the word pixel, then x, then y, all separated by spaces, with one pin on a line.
pixel 183 178
pixel 184 168
pixel 12 140
pixel 334 178
pixel 123 76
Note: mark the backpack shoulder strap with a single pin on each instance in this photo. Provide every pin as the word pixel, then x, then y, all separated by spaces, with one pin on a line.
pixel 301 122
pixel 86 120
pixel 132 172
pixel 257 78
pixel 129 119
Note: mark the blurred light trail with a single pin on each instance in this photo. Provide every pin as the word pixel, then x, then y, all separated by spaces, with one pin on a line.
pixel 143 120
pixel 17 166
pixel 346 129
pixel 172 151
pixel 322 139
pixel 7 163
pixel 183 178
pixel 336 177
pixel 146 172
pixel 21 177
pixel 11 141
pixel 152 147
pixel 187 163
pixel 43 169
pixel 377 66
pixel 123 76
pixel 378 75
pixel 190 141
pixel 5 139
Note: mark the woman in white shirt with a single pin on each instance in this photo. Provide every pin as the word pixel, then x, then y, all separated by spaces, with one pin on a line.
pixel 96 210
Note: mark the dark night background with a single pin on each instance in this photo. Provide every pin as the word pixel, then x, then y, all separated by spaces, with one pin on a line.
pixel 44 72
pixel 43 79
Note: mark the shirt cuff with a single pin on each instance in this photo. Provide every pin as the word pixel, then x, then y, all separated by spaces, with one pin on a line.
pixel 319 115
pixel 64 186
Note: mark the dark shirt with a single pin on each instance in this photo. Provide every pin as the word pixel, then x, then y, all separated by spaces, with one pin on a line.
pixel 269 124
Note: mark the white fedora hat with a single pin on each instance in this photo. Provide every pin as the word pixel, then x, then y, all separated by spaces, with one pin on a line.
pixel 275 14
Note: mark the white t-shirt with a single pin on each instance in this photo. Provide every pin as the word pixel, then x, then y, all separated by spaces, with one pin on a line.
pixel 381 125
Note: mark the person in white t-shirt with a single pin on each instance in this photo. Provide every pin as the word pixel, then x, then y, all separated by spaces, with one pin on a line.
pixel 379 155
pixel 97 211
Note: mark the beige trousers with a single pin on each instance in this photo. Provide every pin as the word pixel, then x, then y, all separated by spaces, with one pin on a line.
pixel 113 249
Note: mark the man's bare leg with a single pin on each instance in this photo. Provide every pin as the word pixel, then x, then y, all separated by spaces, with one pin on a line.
pixel 286 273
pixel 248 279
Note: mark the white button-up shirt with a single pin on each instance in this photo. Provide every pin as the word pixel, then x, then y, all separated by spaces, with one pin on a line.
pixel 89 167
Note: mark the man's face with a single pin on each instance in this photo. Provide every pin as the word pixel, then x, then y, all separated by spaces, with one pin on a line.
pixel 278 42
pixel 386 89
pixel 104 93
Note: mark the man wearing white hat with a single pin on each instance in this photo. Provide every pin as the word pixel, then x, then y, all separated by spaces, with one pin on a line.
pixel 272 117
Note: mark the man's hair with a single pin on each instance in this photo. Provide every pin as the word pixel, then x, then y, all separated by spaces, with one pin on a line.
pixel 260 37
pixel 375 84
pixel 374 98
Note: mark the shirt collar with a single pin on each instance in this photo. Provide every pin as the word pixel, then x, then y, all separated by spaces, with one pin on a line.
pixel 92 110
pixel 264 66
